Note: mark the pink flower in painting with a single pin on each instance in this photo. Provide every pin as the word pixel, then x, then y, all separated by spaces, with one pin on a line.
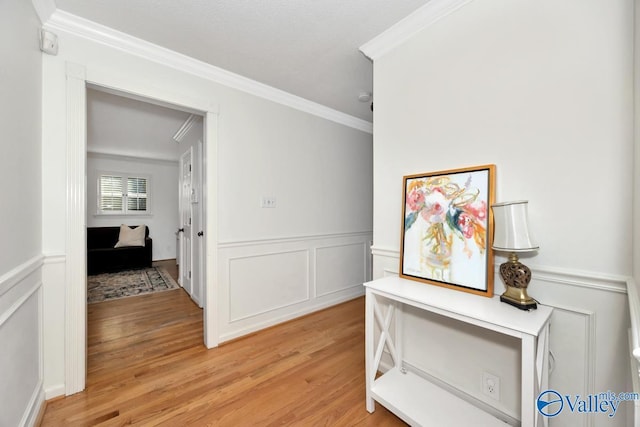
pixel 465 223
pixel 436 206
pixel 415 200
pixel 478 209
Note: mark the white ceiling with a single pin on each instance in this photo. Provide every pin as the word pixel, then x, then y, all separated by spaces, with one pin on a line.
pixel 305 47
pixel 128 127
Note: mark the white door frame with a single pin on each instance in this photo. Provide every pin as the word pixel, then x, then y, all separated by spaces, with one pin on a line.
pixel 76 149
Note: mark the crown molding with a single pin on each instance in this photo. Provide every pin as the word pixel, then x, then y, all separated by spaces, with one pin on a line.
pixel 44 9
pixel 399 33
pixel 184 129
pixel 80 27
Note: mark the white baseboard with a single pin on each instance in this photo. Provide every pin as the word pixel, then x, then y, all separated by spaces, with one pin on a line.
pixel 290 316
pixel 33 409
pixel 54 391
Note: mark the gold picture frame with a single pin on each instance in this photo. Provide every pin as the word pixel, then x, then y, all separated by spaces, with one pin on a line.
pixel 447 229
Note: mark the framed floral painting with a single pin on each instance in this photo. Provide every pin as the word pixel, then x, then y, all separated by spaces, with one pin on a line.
pixel 447 229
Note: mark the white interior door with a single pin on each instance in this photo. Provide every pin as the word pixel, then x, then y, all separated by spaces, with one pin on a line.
pixel 186 215
pixel 197 224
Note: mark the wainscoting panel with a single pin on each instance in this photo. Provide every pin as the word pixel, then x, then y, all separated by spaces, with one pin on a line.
pixel 265 282
pixel 340 267
pixel 21 391
pixel 588 341
pixel 572 358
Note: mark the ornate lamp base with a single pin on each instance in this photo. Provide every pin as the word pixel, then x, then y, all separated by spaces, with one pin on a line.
pixel 516 277
pixel 520 300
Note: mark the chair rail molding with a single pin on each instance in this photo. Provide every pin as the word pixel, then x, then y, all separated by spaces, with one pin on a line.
pixel 290 239
pixel 19 273
pixel 562 276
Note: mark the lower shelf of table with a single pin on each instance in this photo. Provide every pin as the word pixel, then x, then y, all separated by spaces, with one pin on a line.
pixel 419 402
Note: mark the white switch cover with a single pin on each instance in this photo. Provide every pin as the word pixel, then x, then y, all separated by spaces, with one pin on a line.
pixel 268 202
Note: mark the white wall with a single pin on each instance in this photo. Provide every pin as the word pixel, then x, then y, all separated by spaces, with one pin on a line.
pixel 163 203
pixel 20 185
pixel 319 171
pixel 542 89
pixel 636 145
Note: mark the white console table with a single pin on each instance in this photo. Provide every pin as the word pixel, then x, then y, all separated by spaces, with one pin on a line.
pixel 418 401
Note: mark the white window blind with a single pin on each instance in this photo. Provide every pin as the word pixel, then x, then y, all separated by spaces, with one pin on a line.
pixel 137 194
pixel 123 194
pixel 110 193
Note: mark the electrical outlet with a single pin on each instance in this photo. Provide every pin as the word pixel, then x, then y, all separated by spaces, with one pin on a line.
pixel 268 202
pixel 491 385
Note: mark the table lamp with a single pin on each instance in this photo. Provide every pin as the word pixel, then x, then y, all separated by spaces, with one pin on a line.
pixel 512 235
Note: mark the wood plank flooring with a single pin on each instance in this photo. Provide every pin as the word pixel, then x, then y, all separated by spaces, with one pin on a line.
pixel 147 366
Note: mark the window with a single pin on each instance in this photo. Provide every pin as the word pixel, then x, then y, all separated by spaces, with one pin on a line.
pixel 122 194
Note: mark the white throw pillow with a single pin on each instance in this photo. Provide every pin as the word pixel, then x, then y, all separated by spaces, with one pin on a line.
pixel 131 236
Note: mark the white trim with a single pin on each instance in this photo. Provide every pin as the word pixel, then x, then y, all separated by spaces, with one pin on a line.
pixel 114 155
pixel 389 272
pixel 363 245
pixel 212 303
pixel 6 315
pixel 120 84
pixel 80 27
pixel 186 127
pixel 578 278
pixel 54 391
pixel 385 252
pixel 589 349
pixel 19 273
pixel 76 289
pixel 277 307
pixel 634 314
pixel 55 258
pixel 582 279
pixel 399 33
pixel 34 406
pixel 352 294
pixel 276 240
pixel 75 282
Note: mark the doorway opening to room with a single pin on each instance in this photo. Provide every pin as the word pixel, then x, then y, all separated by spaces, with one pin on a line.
pixel 75 322
pixel 144 176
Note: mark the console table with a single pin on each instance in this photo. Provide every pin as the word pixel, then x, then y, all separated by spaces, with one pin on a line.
pixel 415 399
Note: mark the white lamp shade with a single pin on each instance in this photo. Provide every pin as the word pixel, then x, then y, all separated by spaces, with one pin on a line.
pixel 512 227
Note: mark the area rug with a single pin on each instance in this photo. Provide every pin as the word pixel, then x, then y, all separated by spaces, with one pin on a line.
pixel 109 286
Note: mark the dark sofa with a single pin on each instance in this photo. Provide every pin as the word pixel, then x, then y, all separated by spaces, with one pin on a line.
pixel 102 257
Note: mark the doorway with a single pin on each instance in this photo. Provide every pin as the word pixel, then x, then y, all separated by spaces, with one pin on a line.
pixel 75 297
pixel 134 141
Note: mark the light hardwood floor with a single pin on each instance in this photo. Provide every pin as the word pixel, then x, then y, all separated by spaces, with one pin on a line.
pixel 147 366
